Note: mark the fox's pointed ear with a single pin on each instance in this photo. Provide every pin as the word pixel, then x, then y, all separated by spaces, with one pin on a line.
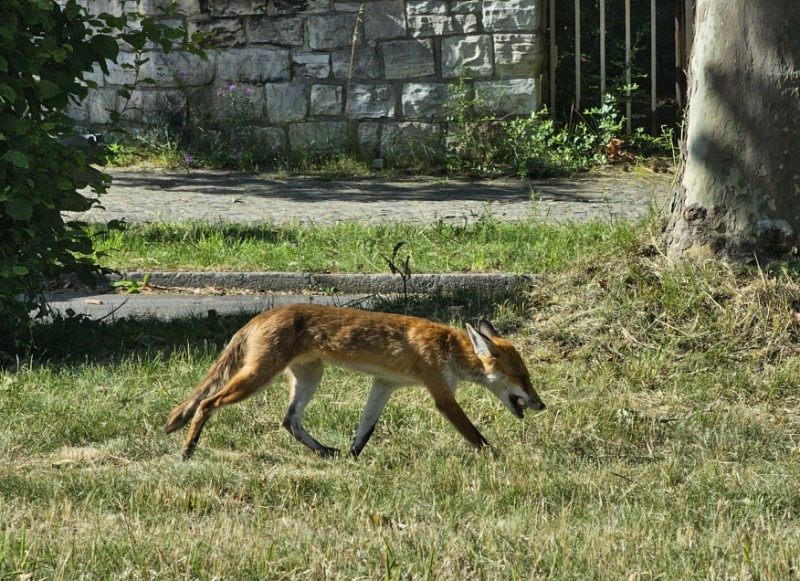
pixel 486 328
pixel 480 344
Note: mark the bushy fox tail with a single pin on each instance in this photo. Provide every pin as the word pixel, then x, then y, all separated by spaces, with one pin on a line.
pixel 220 373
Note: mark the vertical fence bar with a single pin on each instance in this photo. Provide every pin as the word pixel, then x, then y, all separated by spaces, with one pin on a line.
pixel 602 51
pixel 653 69
pixel 678 53
pixel 553 58
pixel 577 55
pixel 688 28
pixel 628 65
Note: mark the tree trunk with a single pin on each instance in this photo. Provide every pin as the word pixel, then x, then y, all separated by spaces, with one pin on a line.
pixel 738 190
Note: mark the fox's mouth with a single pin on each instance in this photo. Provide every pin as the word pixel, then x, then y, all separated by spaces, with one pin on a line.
pixel 518 406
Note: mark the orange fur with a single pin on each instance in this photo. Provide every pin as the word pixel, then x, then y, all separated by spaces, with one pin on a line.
pixel 397 350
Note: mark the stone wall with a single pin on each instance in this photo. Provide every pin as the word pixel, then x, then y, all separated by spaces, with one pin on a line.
pixel 328 74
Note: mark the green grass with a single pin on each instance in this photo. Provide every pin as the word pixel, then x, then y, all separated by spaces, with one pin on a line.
pixel 484 246
pixel 669 448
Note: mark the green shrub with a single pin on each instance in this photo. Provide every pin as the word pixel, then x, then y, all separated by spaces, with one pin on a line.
pixel 46 51
pixel 534 146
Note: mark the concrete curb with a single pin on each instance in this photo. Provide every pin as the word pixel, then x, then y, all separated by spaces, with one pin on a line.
pixel 340 283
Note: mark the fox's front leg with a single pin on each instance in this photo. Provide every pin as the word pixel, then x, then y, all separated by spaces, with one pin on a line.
pixel 381 391
pixel 304 379
pixel 446 403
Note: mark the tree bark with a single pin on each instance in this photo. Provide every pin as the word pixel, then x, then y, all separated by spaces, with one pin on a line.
pixel 738 190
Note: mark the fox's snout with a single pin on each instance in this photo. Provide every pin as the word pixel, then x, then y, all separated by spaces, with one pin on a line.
pixel 518 402
pixel 538 405
pixel 533 403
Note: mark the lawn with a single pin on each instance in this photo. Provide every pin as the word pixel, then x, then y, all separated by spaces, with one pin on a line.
pixel 670 447
pixel 486 245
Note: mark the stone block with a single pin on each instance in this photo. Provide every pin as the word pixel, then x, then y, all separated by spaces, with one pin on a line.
pixel 406 59
pixel 79 112
pixel 253 65
pixel 176 69
pixel 189 7
pixel 362 65
pixel 151 107
pixel 98 105
pixel 508 97
pixel 113 7
pixel 465 7
pixel 331 31
pixel 224 32
pixel 319 136
pixel 371 102
pixel 369 139
pixel 286 102
pixel 419 7
pixel 465 23
pixel 216 8
pixel 519 55
pixel 96 75
pixel 275 31
pixel 311 65
pixel 467 55
pixel 292 7
pixel 270 140
pixel 513 15
pixel 123 72
pixel 424 100
pixel 347 6
pixel 232 104
pixel 384 19
pixel 427 25
pixel 326 100
pixel 411 140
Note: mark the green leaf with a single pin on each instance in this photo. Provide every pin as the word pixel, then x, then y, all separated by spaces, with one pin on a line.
pixel 48 89
pixel 17 158
pixel 105 45
pixel 19 209
pixel 137 40
pixel 71 10
pixel 7 93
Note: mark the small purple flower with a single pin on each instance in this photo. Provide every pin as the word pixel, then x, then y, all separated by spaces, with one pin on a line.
pixel 247 91
pixel 232 87
pixel 183 74
pixel 219 93
pixel 188 159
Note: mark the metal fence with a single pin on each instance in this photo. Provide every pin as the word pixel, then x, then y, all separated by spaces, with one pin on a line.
pixel 683 29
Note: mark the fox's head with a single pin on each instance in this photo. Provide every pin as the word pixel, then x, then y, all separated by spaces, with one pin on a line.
pixel 504 371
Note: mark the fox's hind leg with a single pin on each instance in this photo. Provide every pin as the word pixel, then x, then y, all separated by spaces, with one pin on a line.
pixel 304 379
pixel 247 381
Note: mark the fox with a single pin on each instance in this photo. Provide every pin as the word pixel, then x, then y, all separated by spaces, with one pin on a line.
pixel 397 350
